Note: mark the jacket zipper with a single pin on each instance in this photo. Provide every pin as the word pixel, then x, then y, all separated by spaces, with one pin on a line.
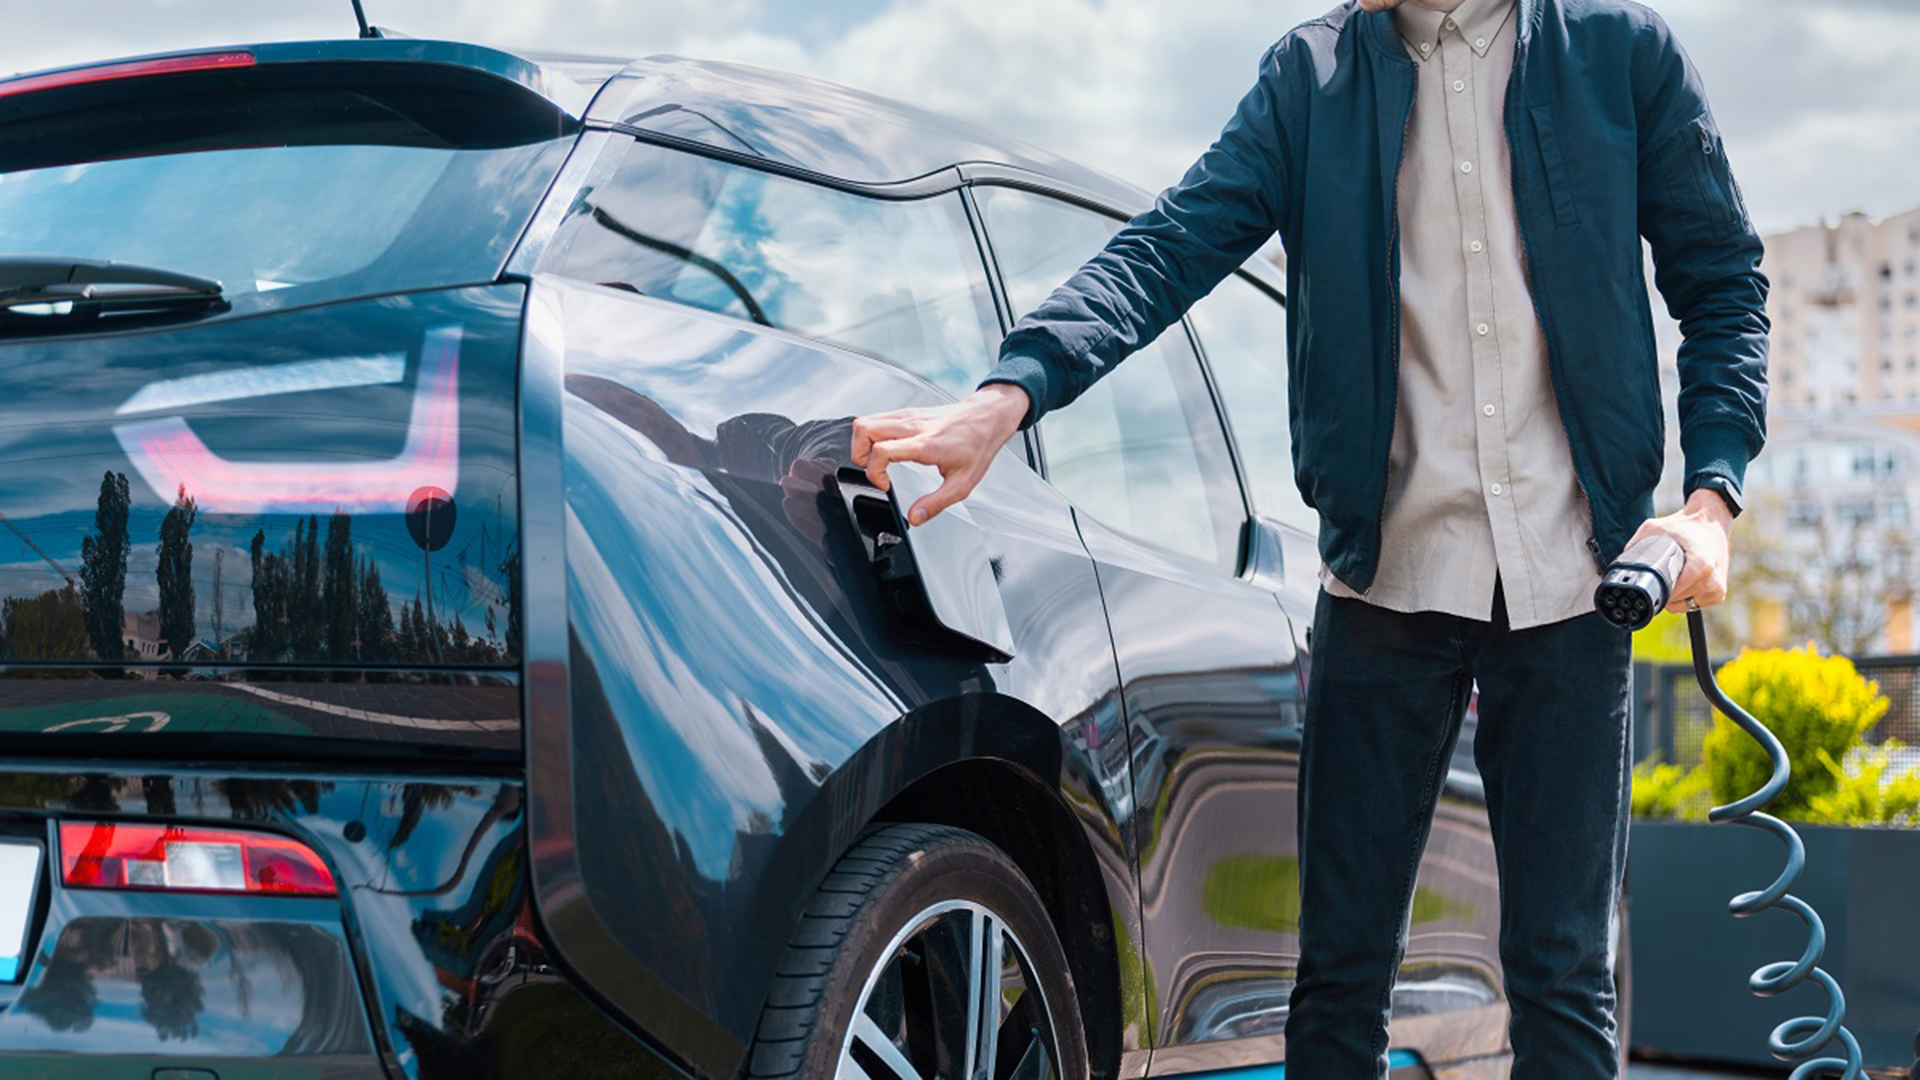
pixel 1393 286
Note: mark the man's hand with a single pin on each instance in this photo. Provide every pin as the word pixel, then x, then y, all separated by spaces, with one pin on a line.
pixel 958 439
pixel 1702 529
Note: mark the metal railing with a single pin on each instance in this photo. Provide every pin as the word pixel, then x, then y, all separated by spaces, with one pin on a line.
pixel 1672 718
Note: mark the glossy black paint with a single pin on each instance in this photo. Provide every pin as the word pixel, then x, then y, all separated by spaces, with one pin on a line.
pixel 740 704
pixel 793 122
pixel 267 588
pixel 429 964
pixel 718 699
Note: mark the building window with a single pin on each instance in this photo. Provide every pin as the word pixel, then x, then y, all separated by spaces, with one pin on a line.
pixel 1853 513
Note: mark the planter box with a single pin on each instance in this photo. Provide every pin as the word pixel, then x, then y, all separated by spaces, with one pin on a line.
pixel 1691 958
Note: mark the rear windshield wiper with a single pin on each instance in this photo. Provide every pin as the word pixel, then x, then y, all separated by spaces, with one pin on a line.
pixel 42 293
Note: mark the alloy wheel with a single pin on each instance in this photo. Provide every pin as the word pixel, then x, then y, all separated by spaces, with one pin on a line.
pixel 953 997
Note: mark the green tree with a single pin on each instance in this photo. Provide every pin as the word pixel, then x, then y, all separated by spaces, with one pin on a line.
pixel 305 613
pixel 337 588
pixel 268 639
pixel 51 626
pixel 375 616
pixel 175 574
pixel 103 569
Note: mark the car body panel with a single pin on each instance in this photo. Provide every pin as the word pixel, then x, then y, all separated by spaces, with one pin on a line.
pixel 685 807
pixel 813 126
pixel 717 697
pixel 412 971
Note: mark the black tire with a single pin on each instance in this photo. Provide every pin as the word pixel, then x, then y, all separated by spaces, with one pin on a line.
pixel 845 943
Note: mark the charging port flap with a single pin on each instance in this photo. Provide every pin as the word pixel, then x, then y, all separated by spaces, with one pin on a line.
pixel 935 576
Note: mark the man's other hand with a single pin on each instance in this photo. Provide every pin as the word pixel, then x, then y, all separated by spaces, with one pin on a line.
pixel 958 439
pixel 1703 530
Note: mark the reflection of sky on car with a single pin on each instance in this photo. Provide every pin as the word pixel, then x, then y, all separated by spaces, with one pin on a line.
pixel 702 759
pixel 890 278
pixel 899 280
pixel 272 201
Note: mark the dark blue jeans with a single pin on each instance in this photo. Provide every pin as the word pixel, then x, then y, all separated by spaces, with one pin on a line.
pixel 1384 705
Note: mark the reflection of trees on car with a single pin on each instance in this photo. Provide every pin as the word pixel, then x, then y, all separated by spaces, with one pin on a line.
pixel 46 627
pixel 311 600
pixel 103 567
pixel 175 574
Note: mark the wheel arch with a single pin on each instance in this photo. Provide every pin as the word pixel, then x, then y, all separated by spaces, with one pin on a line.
pixel 1012 809
pixel 996 766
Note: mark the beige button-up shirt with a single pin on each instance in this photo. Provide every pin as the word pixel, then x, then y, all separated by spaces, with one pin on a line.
pixel 1481 482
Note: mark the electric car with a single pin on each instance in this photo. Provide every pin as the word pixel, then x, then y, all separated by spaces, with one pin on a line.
pixel 444 635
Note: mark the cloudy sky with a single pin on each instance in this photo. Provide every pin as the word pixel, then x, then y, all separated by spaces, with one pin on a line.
pixel 1819 99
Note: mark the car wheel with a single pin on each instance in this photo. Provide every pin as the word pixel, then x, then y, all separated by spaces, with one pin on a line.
pixel 924 953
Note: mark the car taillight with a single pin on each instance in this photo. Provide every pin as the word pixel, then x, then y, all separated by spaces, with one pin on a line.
pixel 132 69
pixel 98 855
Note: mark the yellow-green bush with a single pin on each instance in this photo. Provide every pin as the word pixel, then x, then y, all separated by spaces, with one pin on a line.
pixel 1670 791
pixel 1817 706
pixel 1862 797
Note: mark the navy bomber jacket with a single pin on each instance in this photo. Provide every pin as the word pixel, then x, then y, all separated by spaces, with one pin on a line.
pixel 1611 140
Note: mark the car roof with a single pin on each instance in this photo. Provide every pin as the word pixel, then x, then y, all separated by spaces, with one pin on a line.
pixel 822 127
pixel 792 122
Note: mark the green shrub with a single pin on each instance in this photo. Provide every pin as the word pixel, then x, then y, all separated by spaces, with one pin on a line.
pixel 1669 791
pixel 1863 795
pixel 1817 706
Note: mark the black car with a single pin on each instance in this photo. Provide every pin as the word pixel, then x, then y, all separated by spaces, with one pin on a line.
pixel 444 635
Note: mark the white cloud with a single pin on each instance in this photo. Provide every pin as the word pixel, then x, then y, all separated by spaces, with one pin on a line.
pixel 1820 102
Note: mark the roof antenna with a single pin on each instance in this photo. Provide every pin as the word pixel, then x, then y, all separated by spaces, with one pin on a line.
pixel 366 31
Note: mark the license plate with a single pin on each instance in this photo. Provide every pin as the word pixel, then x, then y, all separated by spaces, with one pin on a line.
pixel 19 885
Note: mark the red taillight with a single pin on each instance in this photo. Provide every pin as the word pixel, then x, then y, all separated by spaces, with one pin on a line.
pixel 176 858
pixel 132 69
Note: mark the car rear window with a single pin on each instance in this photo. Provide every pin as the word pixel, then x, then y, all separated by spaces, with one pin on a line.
pixel 314 191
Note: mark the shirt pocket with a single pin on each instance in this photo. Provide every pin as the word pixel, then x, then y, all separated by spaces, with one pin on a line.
pixel 1553 159
pixel 1702 179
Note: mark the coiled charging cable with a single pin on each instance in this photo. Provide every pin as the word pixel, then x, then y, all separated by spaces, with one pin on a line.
pixel 1635 588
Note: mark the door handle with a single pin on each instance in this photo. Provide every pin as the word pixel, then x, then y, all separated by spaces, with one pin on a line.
pixel 936 576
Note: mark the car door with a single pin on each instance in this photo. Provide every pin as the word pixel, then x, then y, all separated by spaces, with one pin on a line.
pixel 1206 656
pixel 1447 1000
pixel 739 696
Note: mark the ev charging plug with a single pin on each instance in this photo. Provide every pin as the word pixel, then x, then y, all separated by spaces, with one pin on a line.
pixel 1635 588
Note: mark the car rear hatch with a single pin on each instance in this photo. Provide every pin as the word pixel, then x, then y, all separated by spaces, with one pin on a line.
pixel 259 553
pixel 257 462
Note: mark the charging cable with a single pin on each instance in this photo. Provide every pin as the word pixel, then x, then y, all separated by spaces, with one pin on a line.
pixel 1635 588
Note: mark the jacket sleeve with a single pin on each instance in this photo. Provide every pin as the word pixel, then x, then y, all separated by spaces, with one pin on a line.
pixel 1198 231
pixel 1706 259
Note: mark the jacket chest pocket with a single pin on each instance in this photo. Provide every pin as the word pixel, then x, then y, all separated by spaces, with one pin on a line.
pixel 1701 178
pixel 1553 159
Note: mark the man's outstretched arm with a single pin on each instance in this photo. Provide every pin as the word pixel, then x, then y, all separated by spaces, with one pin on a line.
pixel 1198 231
pixel 1706 258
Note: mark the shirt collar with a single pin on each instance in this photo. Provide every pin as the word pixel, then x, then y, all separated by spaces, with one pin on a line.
pixel 1478 22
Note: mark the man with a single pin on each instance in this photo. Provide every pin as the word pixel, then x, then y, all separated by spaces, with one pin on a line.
pixel 1462 187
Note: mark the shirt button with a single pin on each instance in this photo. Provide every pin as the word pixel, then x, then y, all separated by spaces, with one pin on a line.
pixel 1481 329
pixel 1426 47
pixel 1466 166
pixel 1459 85
pixel 1447 24
pixel 1476 247
pixel 1487 408
pixel 1496 489
pixel 1479 43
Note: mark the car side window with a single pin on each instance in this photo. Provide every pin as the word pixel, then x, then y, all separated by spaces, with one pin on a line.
pixel 1142 450
pixel 1243 331
pixel 902 280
